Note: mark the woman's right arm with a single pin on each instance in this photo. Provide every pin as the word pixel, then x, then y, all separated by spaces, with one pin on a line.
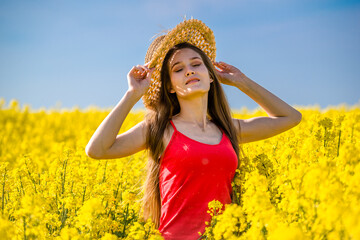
pixel 105 142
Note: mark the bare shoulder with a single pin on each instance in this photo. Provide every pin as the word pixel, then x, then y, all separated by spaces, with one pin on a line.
pixel 167 135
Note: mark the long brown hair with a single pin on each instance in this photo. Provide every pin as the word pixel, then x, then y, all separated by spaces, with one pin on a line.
pixel 158 120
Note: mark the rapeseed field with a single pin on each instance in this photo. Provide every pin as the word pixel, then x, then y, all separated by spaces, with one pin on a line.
pixel 301 184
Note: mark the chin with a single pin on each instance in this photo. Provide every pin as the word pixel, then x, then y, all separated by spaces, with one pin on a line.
pixel 195 91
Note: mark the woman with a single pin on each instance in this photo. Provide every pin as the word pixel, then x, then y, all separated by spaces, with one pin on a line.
pixel 192 140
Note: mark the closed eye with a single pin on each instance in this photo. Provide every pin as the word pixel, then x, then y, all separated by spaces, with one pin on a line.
pixel 194 65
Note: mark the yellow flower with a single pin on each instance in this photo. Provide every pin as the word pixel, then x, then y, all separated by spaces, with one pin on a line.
pixel 287 233
pixel 300 184
pixel 89 212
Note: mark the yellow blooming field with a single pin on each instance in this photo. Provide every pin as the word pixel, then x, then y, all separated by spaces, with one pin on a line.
pixel 301 184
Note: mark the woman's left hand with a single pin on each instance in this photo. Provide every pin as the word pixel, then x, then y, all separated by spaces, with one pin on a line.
pixel 228 74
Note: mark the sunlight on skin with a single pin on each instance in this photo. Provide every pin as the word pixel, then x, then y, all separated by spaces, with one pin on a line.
pixel 186 64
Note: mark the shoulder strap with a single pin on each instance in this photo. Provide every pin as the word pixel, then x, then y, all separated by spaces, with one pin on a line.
pixel 173 125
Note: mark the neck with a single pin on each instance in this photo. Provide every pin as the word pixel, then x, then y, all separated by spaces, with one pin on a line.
pixel 194 110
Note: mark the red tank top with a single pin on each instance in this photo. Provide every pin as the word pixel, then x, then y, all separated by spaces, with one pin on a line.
pixel 191 175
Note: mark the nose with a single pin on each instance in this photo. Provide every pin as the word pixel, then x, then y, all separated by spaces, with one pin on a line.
pixel 190 73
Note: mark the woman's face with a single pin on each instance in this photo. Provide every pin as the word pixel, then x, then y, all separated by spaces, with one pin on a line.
pixel 188 73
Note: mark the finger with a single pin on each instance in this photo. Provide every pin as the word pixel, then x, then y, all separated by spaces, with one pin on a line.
pixel 140 70
pixel 140 67
pixel 137 68
pixel 146 69
pixel 224 65
pixel 220 69
pixel 133 69
pixel 137 73
pixel 216 64
pixel 221 66
pixel 221 63
pixel 151 70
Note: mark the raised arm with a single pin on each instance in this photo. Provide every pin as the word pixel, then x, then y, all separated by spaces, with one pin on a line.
pixel 281 115
pixel 105 142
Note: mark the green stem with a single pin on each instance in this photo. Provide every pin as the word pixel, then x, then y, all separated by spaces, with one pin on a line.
pixel 83 199
pixel 103 180
pixel 338 148
pixel 117 190
pixel 64 177
pixel 63 216
pixel 30 176
pixel 21 184
pixel 3 194
pixel 125 219
pixel 24 221
pixel 56 199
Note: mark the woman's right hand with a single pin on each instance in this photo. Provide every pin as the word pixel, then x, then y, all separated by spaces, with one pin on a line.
pixel 139 79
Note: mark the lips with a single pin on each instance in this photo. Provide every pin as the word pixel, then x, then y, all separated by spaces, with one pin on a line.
pixel 192 80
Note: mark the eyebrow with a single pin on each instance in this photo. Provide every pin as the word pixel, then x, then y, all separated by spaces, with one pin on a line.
pixel 179 62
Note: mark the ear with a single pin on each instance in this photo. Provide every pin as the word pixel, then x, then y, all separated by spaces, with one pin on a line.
pixel 211 80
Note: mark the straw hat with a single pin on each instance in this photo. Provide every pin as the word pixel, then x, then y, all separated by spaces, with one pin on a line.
pixel 192 31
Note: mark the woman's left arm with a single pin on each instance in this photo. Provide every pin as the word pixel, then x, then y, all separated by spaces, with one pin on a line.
pixel 281 115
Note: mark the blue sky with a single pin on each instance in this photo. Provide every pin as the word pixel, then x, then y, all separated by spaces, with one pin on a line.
pixel 78 53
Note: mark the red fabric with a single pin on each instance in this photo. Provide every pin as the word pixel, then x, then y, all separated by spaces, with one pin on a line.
pixel 191 175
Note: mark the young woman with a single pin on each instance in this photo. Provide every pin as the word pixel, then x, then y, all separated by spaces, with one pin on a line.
pixel 193 141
